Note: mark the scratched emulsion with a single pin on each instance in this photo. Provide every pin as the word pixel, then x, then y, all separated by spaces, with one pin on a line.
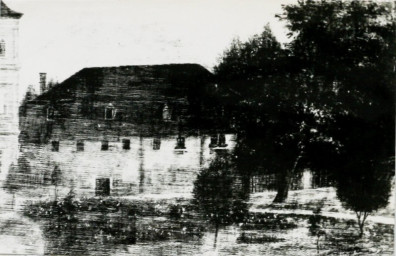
pixel 169 160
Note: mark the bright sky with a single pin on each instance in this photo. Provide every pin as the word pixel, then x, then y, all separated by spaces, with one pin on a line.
pixel 60 37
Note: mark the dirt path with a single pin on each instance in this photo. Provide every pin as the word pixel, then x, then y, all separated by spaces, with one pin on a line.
pixel 303 202
pixel 18 234
pixel 337 215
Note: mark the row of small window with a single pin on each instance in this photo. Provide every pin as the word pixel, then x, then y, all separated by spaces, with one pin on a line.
pixel 126 145
pixel 215 141
pixel 110 112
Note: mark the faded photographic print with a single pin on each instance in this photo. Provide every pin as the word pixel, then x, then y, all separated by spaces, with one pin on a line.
pixel 197 127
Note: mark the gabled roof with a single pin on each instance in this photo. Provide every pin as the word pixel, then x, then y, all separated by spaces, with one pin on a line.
pixel 185 74
pixel 6 12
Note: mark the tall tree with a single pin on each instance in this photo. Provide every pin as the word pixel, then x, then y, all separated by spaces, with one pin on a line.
pixel 331 92
pixel 348 49
pixel 267 107
pixel 216 195
pixel 345 51
pixel 249 60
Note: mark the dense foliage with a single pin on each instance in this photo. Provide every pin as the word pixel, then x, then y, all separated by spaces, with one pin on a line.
pixel 323 101
pixel 216 195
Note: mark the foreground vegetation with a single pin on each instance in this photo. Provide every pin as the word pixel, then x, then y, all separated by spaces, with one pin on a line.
pixel 90 225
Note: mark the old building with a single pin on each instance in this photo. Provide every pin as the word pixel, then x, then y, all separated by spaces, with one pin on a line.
pixel 137 167
pixel 129 100
pixel 124 131
pixel 9 66
pixel 9 86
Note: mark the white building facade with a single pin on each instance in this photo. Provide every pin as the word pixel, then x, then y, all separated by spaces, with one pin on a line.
pixel 143 168
pixel 9 86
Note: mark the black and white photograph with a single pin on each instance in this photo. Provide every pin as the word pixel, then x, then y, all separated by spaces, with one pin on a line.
pixel 197 127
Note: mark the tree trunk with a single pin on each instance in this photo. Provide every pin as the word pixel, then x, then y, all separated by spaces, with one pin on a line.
pixel 13 201
pixel 361 219
pixel 283 187
pixel 284 183
pixel 245 186
pixel 55 193
pixel 216 233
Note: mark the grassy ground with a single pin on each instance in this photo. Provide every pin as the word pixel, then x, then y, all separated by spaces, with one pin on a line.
pixel 171 224
pixel 310 199
pixel 337 230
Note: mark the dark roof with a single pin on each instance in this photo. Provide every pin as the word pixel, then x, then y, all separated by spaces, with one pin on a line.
pixel 182 67
pixel 6 12
pixel 186 74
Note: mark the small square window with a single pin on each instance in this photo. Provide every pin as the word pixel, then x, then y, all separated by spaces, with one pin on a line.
pixel 105 145
pixel 156 143
pixel 50 113
pixel 222 141
pixel 166 113
pixel 80 145
pixel 180 143
pixel 110 112
pixel 213 141
pixel 126 144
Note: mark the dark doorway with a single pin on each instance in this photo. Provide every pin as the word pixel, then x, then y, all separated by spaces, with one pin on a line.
pixel 80 145
pixel 105 145
pixel 55 145
pixel 102 187
pixel 126 144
